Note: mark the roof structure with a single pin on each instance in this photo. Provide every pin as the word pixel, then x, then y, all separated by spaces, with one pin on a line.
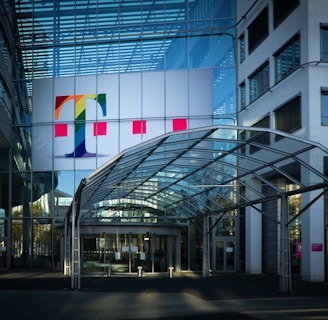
pixel 206 171
pixel 63 38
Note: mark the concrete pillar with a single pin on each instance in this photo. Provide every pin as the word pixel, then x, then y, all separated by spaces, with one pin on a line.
pixel 253 241
pixel 313 266
pixel 206 257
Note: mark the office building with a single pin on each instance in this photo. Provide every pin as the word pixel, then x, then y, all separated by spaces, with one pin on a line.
pixel 282 84
pixel 103 105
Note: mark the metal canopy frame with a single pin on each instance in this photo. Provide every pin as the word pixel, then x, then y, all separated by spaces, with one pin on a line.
pixel 205 172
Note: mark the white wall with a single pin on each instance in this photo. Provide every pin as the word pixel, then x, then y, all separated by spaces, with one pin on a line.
pixel 307 80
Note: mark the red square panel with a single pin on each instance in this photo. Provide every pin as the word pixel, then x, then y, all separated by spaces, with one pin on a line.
pixel 139 127
pixel 179 124
pixel 99 128
pixel 61 130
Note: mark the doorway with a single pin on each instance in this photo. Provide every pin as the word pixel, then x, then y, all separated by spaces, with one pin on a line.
pixel 125 252
pixel 224 256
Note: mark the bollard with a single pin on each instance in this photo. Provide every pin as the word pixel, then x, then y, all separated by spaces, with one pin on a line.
pixel 171 272
pixel 109 271
pixel 139 271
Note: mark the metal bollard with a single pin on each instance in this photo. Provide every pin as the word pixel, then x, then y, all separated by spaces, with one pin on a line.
pixel 109 271
pixel 139 271
pixel 171 272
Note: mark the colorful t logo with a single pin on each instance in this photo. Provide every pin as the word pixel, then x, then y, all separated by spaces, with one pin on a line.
pixel 79 123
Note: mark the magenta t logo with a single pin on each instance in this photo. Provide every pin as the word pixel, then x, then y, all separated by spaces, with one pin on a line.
pixel 79 123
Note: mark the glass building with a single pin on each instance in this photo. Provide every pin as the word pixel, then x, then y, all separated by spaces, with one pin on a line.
pixel 119 145
pixel 80 82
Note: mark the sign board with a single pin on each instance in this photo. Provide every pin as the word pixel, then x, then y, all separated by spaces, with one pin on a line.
pixel 317 247
pixel 79 123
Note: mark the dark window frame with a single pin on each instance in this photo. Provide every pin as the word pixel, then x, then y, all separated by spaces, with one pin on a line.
pixel 324 113
pixel 258 30
pixel 242 88
pixel 282 9
pixel 257 85
pixel 324 43
pixel 242 48
pixel 260 137
pixel 286 119
pixel 290 55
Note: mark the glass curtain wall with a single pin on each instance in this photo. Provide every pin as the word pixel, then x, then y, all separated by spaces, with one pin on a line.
pixel 58 39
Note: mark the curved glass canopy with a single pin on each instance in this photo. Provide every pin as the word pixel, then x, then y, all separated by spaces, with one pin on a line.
pixel 205 171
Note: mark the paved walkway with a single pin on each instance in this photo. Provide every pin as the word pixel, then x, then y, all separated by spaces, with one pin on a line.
pixel 47 295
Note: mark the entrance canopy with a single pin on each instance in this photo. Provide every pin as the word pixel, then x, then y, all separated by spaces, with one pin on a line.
pixel 204 171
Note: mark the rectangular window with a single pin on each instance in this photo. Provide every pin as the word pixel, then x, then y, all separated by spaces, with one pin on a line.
pixel 259 82
pixel 242 137
pixel 282 9
pixel 258 30
pixel 324 43
pixel 242 95
pixel 324 107
pixel 260 138
pixel 242 48
pixel 287 58
pixel 288 117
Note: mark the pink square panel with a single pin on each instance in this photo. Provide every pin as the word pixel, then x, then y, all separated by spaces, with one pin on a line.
pixel 61 130
pixel 179 124
pixel 99 128
pixel 139 127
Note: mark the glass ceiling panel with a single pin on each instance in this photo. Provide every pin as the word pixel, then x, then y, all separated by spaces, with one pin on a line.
pixel 70 38
pixel 189 186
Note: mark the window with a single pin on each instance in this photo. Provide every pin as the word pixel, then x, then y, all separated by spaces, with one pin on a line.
pixel 259 82
pixel 258 30
pixel 324 107
pixel 242 137
pixel 324 43
pixel 282 9
pixel 242 95
pixel 242 48
pixel 288 58
pixel 288 117
pixel 260 138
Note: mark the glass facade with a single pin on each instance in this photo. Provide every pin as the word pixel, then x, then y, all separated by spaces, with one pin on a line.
pixel 153 41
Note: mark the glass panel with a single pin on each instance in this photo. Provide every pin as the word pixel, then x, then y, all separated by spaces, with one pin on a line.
pixel 3 227
pixel 3 253
pixel 219 255
pixel 125 252
pixel 324 108
pixel 199 52
pixel 324 44
pixel 159 254
pixel 230 255
pixel 4 194
pixel 41 196
pixel 42 240
pixel 258 30
pixel 226 227
pixel 288 117
pixel 21 243
pixel 224 95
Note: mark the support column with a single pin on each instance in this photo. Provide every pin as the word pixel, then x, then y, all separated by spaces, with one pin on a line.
pixel 67 249
pixel 253 234
pixel 206 256
pixel 76 259
pixel 313 264
pixel 285 267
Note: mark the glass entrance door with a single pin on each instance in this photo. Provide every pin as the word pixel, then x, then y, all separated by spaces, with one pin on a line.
pixel 225 256
pixel 125 252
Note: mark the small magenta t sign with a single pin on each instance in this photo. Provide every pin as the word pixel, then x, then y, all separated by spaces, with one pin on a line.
pixel 317 247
